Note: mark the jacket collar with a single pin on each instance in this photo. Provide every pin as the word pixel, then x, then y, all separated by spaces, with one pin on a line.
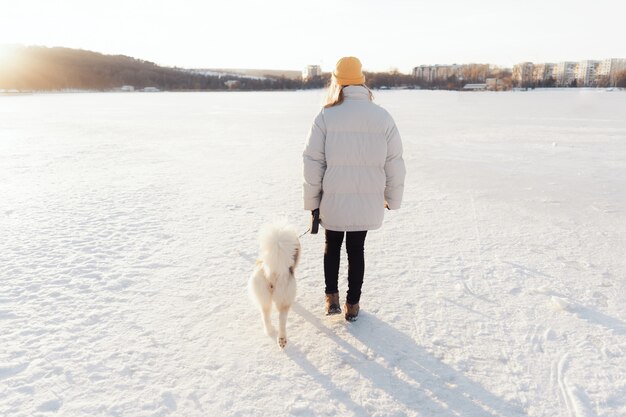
pixel 356 92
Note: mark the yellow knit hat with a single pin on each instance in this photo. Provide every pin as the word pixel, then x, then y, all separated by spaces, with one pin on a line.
pixel 348 71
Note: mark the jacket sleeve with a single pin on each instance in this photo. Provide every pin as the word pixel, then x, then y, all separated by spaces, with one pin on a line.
pixel 395 170
pixel 314 163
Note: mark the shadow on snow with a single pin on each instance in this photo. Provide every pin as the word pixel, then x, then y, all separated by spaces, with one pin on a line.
pixel 427 385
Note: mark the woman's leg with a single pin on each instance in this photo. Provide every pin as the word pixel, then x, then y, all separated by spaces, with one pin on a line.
pixel 355 242
pixel 332 255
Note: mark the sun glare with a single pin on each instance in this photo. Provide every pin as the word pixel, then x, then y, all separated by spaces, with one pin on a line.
pixel 6 53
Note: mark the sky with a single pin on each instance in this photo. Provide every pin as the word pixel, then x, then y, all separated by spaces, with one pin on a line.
pixel 283 34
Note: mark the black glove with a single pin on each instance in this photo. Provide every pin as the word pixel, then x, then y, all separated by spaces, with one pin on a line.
pixel 315 221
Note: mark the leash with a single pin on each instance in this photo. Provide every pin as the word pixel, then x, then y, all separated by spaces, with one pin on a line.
pixel 307 231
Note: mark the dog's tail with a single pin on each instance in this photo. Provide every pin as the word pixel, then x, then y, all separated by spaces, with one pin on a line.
pixel 280 248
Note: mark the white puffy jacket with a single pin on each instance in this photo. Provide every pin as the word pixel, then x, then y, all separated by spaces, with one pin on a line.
pixel 353 164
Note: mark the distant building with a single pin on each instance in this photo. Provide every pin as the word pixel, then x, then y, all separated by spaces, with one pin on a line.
pixel 527 74
pixel 543 74
pixel 432 73
pixel 423 72
pixel 151 90
pixel 523 74
pixel 565 73
pixel 586 73
pixel 473 72
pixel 609 69
pixel 311 71
pixel 475 87
pixel 447 71
pixel 127 88
pixel 494 84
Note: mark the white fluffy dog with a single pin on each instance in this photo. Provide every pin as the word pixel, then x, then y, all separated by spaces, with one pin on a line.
pixel 273 277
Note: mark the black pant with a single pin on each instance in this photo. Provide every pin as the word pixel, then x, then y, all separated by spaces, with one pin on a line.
pixel 355 242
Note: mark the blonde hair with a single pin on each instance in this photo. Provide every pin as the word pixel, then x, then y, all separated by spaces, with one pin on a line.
pixel 335 93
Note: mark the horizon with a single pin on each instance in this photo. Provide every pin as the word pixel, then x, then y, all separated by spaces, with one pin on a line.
pixel 5 47
pixel 272 35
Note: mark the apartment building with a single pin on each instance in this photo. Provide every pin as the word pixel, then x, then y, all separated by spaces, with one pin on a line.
pixel 311 71
pixel 565 73
pixel 430 73
pixel 422 72
pixel 543 73
pixel 586 73
pixel 609 69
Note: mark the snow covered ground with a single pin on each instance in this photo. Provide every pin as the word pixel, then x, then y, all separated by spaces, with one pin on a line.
pixel 128 230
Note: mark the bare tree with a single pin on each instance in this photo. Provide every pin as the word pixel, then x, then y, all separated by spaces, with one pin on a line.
pixel 620 79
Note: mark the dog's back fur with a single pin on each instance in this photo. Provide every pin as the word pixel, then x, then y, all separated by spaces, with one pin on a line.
pixel 273 278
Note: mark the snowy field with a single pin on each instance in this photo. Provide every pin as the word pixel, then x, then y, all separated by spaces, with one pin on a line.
pixel 128 230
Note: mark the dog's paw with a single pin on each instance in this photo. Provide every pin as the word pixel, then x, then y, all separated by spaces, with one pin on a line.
pixel 282 342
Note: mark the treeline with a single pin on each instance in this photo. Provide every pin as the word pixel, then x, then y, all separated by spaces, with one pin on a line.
pixel 376 80
pixel 471 74
pixel 606 81
pixel 618 80
pixel 41 68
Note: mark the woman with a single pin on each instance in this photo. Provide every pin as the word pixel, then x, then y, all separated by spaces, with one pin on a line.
pixel 353 170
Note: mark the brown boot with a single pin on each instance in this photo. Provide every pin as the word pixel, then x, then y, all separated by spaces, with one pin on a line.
pixel 352 311
pixel 332 304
